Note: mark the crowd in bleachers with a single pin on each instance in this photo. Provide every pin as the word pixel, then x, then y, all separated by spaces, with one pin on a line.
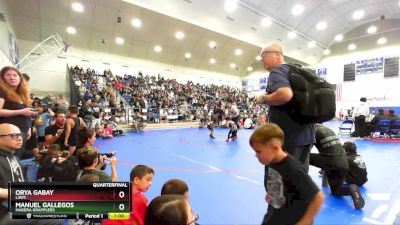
pixel 155 98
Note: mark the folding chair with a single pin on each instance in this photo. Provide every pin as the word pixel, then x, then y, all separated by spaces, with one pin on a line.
pixel 346 127
pixel 31 168
pixel 394 129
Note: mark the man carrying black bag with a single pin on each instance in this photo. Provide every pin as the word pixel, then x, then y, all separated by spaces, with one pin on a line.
pixel 299 137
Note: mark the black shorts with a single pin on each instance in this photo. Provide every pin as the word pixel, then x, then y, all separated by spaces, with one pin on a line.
pixel 236 120
pixel 210 127
pixel 41 139
pixel 73 140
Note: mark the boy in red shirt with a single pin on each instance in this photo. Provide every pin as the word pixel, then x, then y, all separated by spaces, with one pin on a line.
pixel 107 131
pixel 141 178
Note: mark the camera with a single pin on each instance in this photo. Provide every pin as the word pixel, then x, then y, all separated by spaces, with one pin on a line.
pixel 107 155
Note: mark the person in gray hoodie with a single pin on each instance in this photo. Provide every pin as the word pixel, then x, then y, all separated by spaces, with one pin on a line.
pixel 11 171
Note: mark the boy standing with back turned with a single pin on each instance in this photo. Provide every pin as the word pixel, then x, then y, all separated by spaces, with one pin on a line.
pixel 293 198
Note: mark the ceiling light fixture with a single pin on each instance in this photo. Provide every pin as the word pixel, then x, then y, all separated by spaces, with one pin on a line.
pixel 212 61
pixel 119 40
pixel 188 55
pixel 238 52
pixel 71 30
pixel 382 41
pixel 311 44
pixel 358 14
pixel 339 37
pixel 232 65
pixel 297 10
pixel 266 22
pixel 249 68
pixel 230 5
pixel 179 35
pixel 157 48
pixel 136 22
pixel 351 47
pixel 212 44
pixel 77 7
pixel 292 35
pixel 372 29
pixel 258 58
pixel 327 52
pixel 321 25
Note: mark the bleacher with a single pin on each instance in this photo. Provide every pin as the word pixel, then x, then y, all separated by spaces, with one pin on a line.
pixel 157 99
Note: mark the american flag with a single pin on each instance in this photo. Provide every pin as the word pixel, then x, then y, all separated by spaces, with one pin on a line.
pixel 339 92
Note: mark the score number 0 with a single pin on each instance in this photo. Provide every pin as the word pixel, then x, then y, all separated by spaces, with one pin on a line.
pixel 121 194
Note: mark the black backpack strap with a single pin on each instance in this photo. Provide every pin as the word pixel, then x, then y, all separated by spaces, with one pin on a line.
pixel 294 68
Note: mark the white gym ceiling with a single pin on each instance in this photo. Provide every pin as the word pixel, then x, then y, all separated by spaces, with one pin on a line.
pixel 202 21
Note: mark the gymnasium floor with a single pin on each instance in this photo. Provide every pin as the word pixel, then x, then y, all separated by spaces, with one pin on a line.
pixel 226 180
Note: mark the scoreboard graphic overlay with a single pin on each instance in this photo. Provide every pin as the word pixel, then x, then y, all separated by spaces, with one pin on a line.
pixel 70 200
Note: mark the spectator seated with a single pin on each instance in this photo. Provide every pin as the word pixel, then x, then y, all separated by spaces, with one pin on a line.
pixel 395 128
pixel 382 127
pixel 144 93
